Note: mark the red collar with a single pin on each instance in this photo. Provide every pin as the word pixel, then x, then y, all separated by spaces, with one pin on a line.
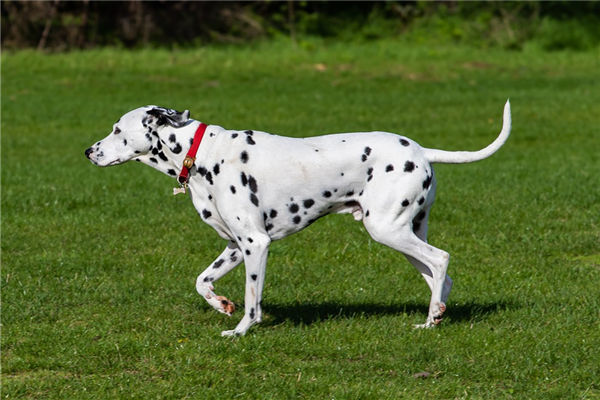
pixel 190 158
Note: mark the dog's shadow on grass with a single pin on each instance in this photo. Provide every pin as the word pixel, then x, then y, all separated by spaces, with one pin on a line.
pixel 309 313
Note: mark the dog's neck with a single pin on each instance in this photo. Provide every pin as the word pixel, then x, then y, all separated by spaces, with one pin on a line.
pixel 169 147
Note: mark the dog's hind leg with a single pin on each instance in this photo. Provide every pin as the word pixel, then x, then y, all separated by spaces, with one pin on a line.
pixel 255 260
pixel 420 227
pixel 404 240
pixel 230 258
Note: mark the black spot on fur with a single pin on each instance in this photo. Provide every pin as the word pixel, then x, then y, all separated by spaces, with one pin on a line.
pixel 234 135
pixel 364 158
pixel 350 193
pixel 154 160
pixel 327 194
pixel 154 151
pixel 273 213
pixel 159 145
pixel 370 171
pixel 210 197
pixel 254 277
pixel 252 184
pixel 148 137
pixel 210 279
pixel 218 263
pixel 162 156
pixel 202 171
pixel 251 240
pixel 252 313
pixel 421 201
pixel 249 133
pixel 244 157
pixel 427 181
pixel 342 174
pixel 269 227
pixel 389 168
pixel 177 149
pixel 233 257
pixel 367 213
pixel 308 203
pixel 367 150
pixel 254 199
pixel 206 214
pixel 124 142
pixel 172 138
pixel 409 166
pixel 191 141
pixel 244 179
pixel 297 219
pixel 208 177
pixel 172 172
pixel 216 169
pixel 405 203
pixel 404 142
pixel 248 252
pixel 232 188
pixel 369 178
pixel 250 141
pixel 294 208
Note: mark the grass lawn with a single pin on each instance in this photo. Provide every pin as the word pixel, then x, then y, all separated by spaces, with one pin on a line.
pixel 99 265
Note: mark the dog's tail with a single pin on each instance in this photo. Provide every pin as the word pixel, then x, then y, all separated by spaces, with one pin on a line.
pixel 460 157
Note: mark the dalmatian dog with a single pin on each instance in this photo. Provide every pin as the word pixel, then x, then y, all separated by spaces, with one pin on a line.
pixel 253 188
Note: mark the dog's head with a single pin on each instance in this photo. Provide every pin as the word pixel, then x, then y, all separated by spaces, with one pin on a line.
pixel 133 134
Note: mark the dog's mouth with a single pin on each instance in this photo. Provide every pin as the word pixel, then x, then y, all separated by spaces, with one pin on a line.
pixel 95 156
pixel 115 162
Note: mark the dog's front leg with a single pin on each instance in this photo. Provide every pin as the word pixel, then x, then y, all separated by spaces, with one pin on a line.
pixel 230 258
pixel 255 259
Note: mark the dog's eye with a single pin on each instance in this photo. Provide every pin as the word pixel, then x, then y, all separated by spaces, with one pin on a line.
pixel 117 131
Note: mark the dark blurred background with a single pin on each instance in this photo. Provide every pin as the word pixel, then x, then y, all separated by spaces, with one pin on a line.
pixel 66 25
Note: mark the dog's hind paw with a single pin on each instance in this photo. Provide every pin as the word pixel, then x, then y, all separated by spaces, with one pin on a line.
pixel 426 325
pixel 434 320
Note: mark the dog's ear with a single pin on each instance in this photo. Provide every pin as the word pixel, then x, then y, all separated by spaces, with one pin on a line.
pixel 167 116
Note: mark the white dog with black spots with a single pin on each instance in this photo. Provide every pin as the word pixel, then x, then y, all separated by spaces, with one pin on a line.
pixel 254 187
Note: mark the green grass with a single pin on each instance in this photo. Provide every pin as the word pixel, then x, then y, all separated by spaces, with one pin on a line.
pixel 99 265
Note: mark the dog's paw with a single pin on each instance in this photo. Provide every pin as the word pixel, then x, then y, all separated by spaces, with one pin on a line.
pixel 231 333
pixel 434 319
pixel 426 325
pixel 226 306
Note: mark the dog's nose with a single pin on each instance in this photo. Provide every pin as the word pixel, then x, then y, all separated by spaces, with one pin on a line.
pixel 88 152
